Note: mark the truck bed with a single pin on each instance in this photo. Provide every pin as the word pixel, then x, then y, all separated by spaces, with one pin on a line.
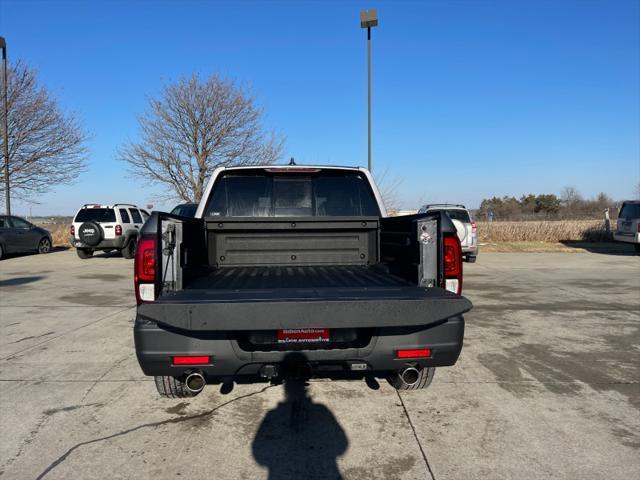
pixel 296 277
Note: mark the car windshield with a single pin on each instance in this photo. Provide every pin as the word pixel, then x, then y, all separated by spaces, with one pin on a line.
pixel 96 215
pixel 185 210
pixel 264 194
pixel 630 210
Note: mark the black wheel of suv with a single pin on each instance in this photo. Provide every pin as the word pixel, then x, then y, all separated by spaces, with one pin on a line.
pixel 172 387
pixel 420 378
pixel 637 247
pixel 90 233
pixel 84 253
pixel 129 250
pixel 1 252
pixel 44 246
pixel 471 258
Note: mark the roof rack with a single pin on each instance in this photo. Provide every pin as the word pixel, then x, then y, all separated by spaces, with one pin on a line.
pixel 102 205
pixel 93 205
pixel 430 205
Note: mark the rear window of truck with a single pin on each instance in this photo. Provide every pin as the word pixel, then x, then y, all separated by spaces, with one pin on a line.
pixel 630 210
pixel 461 215
pixel 96 215
pixel 324 194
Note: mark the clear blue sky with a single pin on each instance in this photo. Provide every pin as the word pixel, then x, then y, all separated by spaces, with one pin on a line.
pixel 471 98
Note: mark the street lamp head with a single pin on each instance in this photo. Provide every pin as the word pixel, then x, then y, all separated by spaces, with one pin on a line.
pixel 368 18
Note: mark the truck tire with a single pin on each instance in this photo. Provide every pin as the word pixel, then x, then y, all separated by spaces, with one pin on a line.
pixel 84 253
pixel 425 377
pixel 172 387
pixel 129 250
pixel 472 258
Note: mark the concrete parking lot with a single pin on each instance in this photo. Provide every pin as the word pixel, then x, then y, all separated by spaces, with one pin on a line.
pixel 548 386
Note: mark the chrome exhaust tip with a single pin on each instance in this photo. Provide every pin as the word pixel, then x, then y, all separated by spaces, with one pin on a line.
pixel 195 382
pixel 410 376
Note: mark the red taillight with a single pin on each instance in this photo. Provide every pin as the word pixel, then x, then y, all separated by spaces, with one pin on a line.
pixel 638 227
pixel 417 353
pixel 192 360
pixel 72 230
pixel 452 264
pixel 474 228
pixel 144 270
pixel 452 256
pixel 118 230
pixel 145 262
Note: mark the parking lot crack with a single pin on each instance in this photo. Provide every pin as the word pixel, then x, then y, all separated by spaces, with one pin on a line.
pixel 415 435
pixel 109 370
pixel 169 421
pixel 20 352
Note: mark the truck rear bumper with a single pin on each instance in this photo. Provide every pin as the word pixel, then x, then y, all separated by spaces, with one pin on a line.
pixel 105 244
pixel 628 237
pixel 157 344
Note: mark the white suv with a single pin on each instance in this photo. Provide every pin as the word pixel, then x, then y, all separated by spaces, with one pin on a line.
pixel 466 227
pixel 628 225
pixel 107 228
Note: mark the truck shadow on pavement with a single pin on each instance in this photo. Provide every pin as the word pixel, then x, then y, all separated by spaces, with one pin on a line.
pixel 299 438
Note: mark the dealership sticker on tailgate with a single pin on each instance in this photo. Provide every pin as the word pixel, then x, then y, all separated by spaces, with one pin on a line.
pixel 303 335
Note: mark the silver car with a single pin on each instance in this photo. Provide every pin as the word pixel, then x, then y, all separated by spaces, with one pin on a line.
pixel 628 225
pixel 467 231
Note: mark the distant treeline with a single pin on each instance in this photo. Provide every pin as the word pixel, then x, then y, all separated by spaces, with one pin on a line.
pixel 569 205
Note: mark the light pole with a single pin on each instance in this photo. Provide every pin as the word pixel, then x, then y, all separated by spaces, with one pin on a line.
pixel 369 19
pixel 5 125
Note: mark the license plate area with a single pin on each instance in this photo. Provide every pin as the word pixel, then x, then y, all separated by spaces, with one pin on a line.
pixel 327 339
pixel 303 335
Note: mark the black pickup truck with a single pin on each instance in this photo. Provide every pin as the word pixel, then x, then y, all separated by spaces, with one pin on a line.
pixel 296 268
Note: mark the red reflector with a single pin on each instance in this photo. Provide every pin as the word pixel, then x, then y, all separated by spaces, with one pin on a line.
pixel 418 353
pixel 197 360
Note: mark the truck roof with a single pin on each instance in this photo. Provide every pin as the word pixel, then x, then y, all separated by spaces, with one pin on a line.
pixel 291 168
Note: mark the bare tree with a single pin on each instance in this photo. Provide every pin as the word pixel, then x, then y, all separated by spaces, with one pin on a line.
pixel 195 126
pixel 570 195
pixel 389 187
pixel 46 145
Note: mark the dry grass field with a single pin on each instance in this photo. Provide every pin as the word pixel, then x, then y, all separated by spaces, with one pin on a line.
pixel 59 234
pixel 543 231
pixel 536 235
